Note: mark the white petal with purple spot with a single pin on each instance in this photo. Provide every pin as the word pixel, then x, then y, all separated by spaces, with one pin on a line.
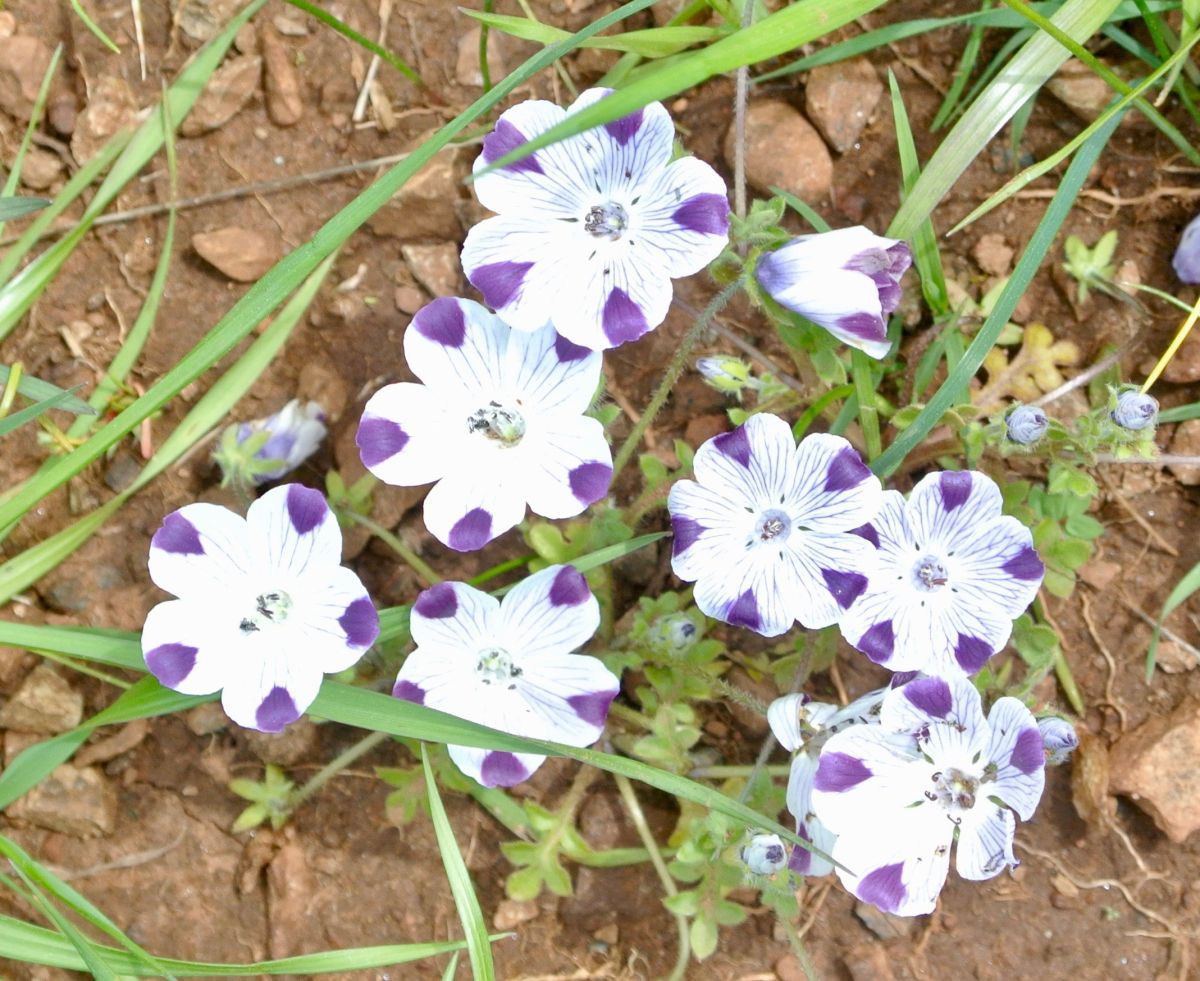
pixel 985 842
pixel 199 550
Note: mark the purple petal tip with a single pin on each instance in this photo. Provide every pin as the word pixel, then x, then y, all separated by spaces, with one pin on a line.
pixel 178 536
pixel 276 711
pixel 306 508
pixel 473 530
pixel 569 587
pixel 379 439
pixel 437 602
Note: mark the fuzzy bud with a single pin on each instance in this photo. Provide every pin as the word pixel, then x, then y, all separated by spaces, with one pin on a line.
pixel 1059 738
pixel 1135 410
pixel 764 855
pixel 725 373
pixel 1026 424
pixel 256 452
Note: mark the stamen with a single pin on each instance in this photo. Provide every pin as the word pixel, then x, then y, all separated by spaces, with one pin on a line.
pixel 504 425
pixel 606 221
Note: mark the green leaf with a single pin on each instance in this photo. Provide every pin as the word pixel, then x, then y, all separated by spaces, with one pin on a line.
pixel 31 412
pixel 1183 590
pixel 657 42
pixel 959 378
pixel 18 207
pixel 35 388
pixel 796 24
pixel 351 34
pixel 1029 69
pixel 469 914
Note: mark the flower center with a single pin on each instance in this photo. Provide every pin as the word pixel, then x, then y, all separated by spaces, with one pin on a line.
pixel 495 667
pixel 497 422
pixel 272 607
pixel 606 221
pixel 773 526
pixel 955 791
pixel 929 574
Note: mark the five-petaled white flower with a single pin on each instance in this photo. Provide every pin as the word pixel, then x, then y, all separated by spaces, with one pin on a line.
pixel 765 529
pixel 933 772
pixel 509 664
pixel 498 423
pixel 953 574
pixel 590 231
pixel 846 280
pixel 265 608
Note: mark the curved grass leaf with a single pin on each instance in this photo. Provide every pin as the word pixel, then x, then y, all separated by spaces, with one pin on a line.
pixel 285 276
pixel 794 25
pixel 350 34
pixel 1183 590
pixel 959 378
pixel 35 120
pixel 37 945
pixel 1038 59
pixel 31 412
pixel 479 948
pixel 657 42
pixel 35 388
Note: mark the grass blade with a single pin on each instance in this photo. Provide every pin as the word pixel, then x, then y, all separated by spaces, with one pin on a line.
pixel 479 948
pixel 794 25
pixel 35 388
pixel 1039 244
pixel 1038 59
pixel 350 34
pixel 92 26
pixel 31 412
pixel 1183 590
pixel 35 120
pixel 17 207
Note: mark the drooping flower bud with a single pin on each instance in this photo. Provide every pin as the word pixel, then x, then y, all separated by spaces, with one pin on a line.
pixel 1186 259
pixel 764 855
pixel 725 373
pixel 675 633
pixel 1059 739
pixel 1135 410
pixel 256 452
pixel 847 281
pixel 1026 424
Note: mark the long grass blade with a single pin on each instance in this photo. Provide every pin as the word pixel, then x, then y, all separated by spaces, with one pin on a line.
pixel 479 948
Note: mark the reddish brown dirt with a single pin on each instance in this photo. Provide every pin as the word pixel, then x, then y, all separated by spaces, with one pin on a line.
pixel 340 875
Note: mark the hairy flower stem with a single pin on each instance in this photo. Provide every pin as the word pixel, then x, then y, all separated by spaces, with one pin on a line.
pixel 629 798
pixel 334 767
pixel 741 92
pixel 674 370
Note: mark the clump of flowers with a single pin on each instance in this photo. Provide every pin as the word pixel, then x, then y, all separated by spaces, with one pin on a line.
pixel 847 281
pixel 510 664
pixel 590 231
pixel 498 423
pixel 934 773
pixel 264 610
pixel 953 573
pixel 765 529
pixel 257 452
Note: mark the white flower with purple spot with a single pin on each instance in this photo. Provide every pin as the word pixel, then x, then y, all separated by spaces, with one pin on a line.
pixel 933 772
pixel 590 231
pixel 802 727
pixel 499 424
pixel 264 610
pixel 846 280
pixel 953 574
pixel 765 529
pixel 509 664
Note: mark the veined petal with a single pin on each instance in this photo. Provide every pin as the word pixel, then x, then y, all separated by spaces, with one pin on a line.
pixel 761 593
pixel 406 435
pixel 456 345
pixel 1017 750
pixel 808 825
pixel 293 527
pixel 336 622
pixel 833 571
pixel 552 612
pixel 548 182
pixel 901 867
pixel 570 693
pixel 683 218
pixel 606 298
pixel 844 302
pixel 999 567
pixel 985 842
pixel 750 465
pixel 201 550
pixel 709 527
pixel 549 373
pixel 571 468
pixel 188 649
pixel 863 775
pixel 271 688
pixel 466 510
pixel 832 489
pixel 520 264
pixel 945 510
pixel 493 767
pixel 925 702
pixel 785 715
pixel 452 616
pixel 619 155
pixel 888 530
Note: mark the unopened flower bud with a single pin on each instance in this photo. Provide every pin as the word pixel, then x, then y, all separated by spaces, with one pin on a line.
pixel 846 280
pixel 725 373
pixel 676 633
pixel 1059 739
pixel 1026 424
pixel 1186 260
pixel 256 452
pixel 1135 410
pixel 764 855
